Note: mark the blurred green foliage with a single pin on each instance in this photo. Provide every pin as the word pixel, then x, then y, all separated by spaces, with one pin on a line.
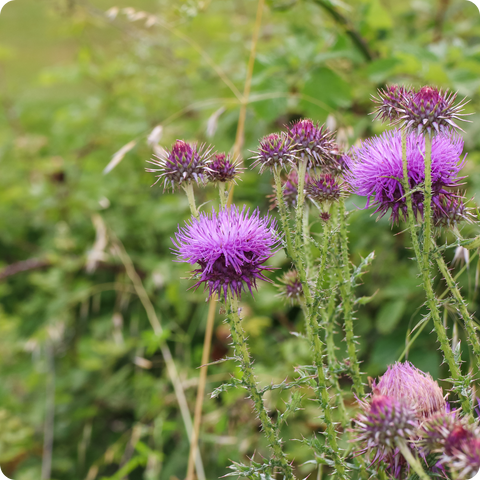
pixel 78 84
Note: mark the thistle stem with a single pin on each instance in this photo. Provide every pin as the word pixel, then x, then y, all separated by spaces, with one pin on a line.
pixel 346 291
pixel 470 326
pixel 427 202
pixel 283 213
pixel 241 350
pixel 191 199
pixel 423 261
pixel 306 238
pixel 302 170
pixel 408 199
pixel 412 461
pixel 221 194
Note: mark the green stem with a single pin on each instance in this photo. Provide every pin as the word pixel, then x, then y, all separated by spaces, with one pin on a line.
pixel 322 393
pixel 191 199
pixel 241 350
pixel 427 202
pixel 412 461
pixel 346 292
pixel 408 198
pixel 306 238
pixel 470 325
pixel 302 170
pixel 424 261
pixel 221 194
pixel 283 213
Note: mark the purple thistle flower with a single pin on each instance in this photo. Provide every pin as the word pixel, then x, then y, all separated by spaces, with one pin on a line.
pixel 418 389
pixel 290 286
pixel 376 170
pixel 383 422
pixel 431 110
pixel 325 188
pixel 313 141
pixel 275 151
pixel 391 102
pixel 230 246
pixel 449 211
pixel 223 168
pixel 184 163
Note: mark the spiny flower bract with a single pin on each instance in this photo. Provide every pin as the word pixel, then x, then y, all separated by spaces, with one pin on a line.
pixel 290 286
pixel 390 102
pixel 418 389
pixel 313 142
pixel 449 211
pixel 324 188
pixel 376 171
pixel 184 163
pixel 223 168
pixel 431 110
pixel 275 151
pixel 230 246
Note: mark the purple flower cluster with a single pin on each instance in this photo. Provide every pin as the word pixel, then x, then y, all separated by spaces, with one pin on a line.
pixel 428 110
pixel 376 171
pixel 230 248
pixel 184 163
pixel 408 406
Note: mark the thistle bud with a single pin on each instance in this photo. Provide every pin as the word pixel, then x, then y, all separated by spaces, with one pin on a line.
pixel 184 163
pixel 276 150
pixel 314 142
pixel 419 390
pixel 223 168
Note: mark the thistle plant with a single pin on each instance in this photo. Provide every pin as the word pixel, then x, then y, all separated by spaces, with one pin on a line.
pixel 404 426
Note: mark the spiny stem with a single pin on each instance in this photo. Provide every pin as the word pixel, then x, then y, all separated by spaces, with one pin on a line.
pixel 221 194
pixel 346 292
pixel 306 238
pixel 283 212
pixel 424 261
pixel 408 198
pixel 322 392
pixel 241 350
pixel 302 170
pixel 470 326
pixel 191 199
pixel 427 202
pixel 412 461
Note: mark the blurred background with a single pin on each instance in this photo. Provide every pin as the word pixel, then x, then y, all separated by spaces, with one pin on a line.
pixel 84 390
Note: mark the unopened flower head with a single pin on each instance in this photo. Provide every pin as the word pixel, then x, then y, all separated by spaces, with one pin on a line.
pixel 223 168
pixel 184 163
pixel 449 211
pixel 431 111
pixel 390 102
pixel 275 151
pixel 464 459
pixel 384 421
pixel 290 286
pixel 230 247
pixel 325 188
pixel 376 168
pixel 418 389
pixel 436 432
pixel 313 142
